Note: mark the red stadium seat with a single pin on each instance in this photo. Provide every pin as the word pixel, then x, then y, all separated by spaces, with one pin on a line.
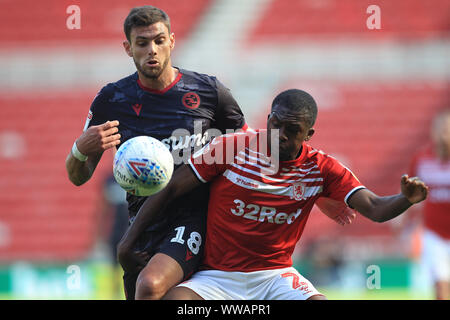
pixel 328 19
pixel 45 215
pixel 44 22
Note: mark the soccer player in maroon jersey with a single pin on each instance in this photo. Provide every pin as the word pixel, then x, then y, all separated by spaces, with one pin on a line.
pixel 432 165
pixel 257 212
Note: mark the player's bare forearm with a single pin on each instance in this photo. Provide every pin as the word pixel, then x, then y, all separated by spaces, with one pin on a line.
pixel 336 210
pixel 78 171
pixel 92 143
pixel 381 209
pixel 183 180
pixel 148 213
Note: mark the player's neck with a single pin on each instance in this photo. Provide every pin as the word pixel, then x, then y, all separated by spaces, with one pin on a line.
pixel 163 81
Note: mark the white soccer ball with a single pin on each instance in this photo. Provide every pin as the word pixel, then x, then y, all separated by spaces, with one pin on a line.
pixel 143 166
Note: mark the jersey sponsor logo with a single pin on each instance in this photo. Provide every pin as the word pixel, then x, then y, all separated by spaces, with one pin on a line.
pixel 174 143
pixel 183 144
pixel 191 100
pixel 137 108
pixel 263 213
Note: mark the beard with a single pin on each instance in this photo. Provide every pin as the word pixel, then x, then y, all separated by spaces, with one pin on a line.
pixel 153 73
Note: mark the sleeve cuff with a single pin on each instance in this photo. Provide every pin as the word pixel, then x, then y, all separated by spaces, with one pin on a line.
pixel 351 193
pixel 199 177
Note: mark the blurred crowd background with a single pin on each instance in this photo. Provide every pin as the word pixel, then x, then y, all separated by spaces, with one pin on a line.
pixel 377 90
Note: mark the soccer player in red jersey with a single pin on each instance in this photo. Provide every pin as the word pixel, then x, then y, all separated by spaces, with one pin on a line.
pixel 258 207
pixel 432 165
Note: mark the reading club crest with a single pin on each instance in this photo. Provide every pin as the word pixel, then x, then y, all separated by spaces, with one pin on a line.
pixel 298 190
pixel 191 100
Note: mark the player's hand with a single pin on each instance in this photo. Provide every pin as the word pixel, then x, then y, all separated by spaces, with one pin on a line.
pixel 336 210
pixel 132 261
pixel 97 139
pixel 413 189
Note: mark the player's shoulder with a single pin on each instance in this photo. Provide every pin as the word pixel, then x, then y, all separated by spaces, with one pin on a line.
pixel 321 158
pixel 234 136
pixel 193 77
pixel 315 154
pixel 123 85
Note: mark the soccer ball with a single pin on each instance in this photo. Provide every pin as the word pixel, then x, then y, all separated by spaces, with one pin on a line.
pixel 143 166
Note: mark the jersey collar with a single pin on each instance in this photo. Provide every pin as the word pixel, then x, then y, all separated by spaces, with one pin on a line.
pixel 174 82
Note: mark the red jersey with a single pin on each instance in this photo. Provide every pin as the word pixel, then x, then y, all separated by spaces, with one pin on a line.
pixel 436 174
pixel 255 219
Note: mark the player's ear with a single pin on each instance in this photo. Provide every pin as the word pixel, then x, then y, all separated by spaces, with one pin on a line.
pixel 310 133
pixel 172 40
pixel 127 47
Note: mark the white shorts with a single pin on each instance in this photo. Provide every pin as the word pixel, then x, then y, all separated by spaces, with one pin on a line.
pixel 436 256
pixel 277 284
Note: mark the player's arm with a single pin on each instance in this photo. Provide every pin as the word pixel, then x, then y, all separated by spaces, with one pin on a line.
pixel 182 181
pixel 336 210
pixel 88 149
pixel 381 209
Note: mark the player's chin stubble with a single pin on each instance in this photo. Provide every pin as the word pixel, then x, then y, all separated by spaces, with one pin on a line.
pixel 150 75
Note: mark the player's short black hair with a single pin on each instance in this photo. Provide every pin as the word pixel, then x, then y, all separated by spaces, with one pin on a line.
pixel 144 16
pixel 298 101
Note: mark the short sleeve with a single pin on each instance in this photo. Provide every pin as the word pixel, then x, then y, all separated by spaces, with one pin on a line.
pixel 210 161
pixel 97 113
pixel 229 114
pixel 340 182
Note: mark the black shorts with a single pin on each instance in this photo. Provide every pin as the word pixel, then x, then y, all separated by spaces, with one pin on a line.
pixel 183 240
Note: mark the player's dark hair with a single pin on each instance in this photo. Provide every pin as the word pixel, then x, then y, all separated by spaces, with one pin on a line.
pixel 298 101
pixel 144 16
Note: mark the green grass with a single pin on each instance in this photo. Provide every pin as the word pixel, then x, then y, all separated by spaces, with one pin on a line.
pixel 376 294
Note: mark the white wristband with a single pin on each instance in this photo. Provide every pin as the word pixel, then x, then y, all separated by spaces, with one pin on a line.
pixel 77 154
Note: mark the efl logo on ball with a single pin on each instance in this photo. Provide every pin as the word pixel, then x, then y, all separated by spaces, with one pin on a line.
pixel 143 166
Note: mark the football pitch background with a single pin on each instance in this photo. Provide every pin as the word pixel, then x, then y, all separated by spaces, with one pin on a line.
pixel 379 70
pixel 102 281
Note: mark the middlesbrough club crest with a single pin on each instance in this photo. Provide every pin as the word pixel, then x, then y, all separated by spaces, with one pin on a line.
pixel 298 191
pixel 191 100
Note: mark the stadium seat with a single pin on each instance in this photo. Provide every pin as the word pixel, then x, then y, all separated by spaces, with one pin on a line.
pixel 331 19
pixel 43 23
pixel 45 215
